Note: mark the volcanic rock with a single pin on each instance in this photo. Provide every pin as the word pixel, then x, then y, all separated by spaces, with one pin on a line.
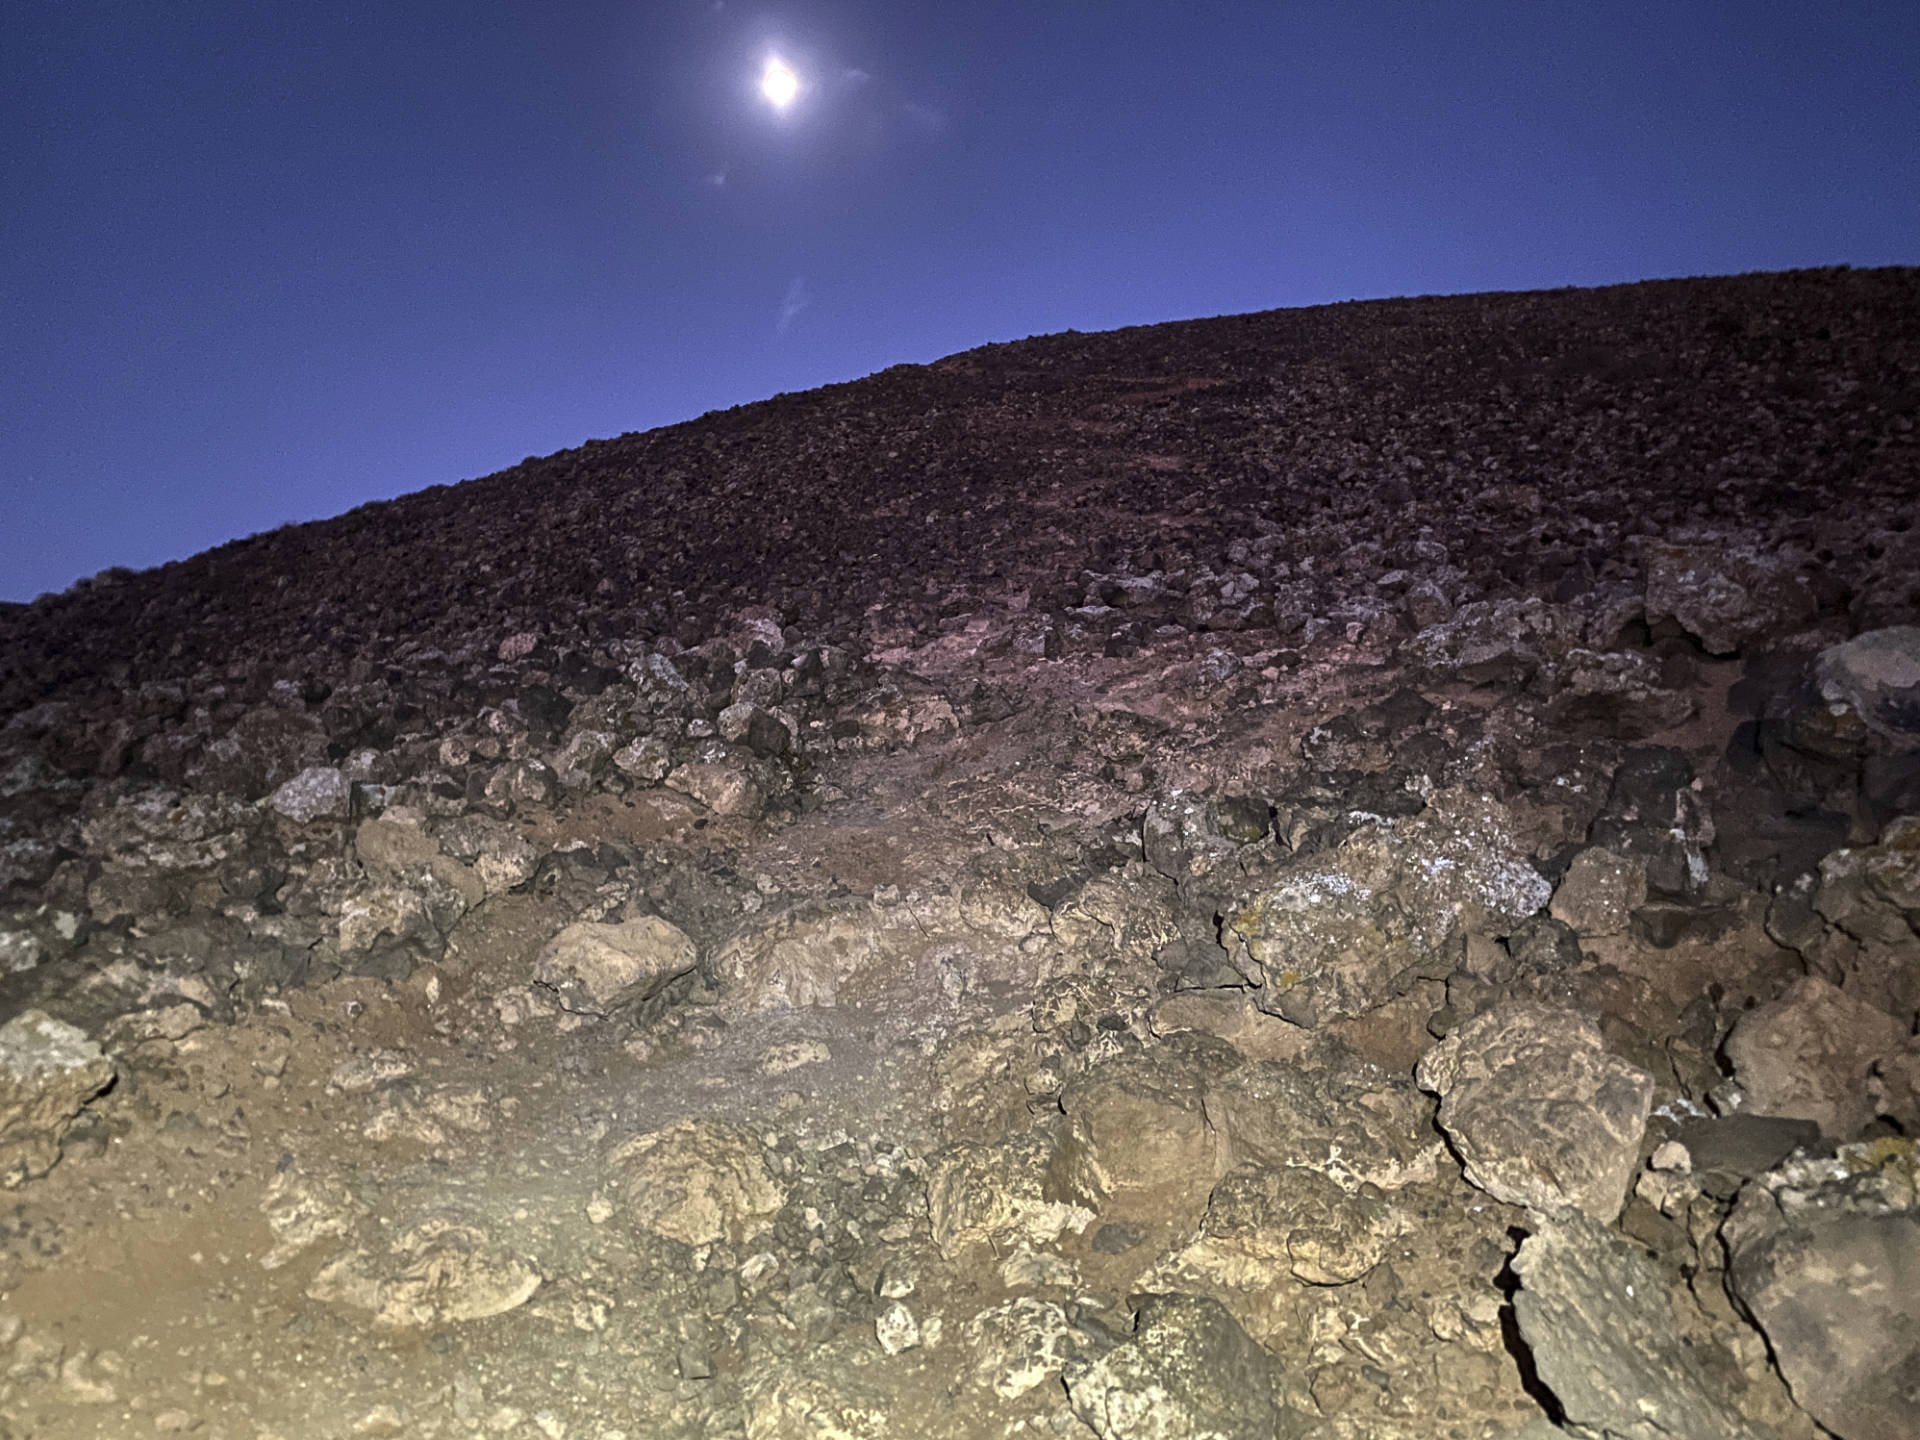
pixel 1596 1316
pixel 1825 1255
pixel 48 1073
pixel 1539 1112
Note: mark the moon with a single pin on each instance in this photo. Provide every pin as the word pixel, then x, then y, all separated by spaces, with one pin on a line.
pixel 779 84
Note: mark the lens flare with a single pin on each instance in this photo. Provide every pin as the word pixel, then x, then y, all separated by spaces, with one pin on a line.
pixel 779 84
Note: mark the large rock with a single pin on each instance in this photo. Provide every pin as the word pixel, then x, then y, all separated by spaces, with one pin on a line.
pixel 1188 1372
pixel 1137 1148
pixel 1600 892
pixel 49 1070
pixel 596 969
pixel 722 790
pixel 1353 1122
pixel 445 1269
pixel 1300 1220
pixel 1825 1256
pixel 1344 932
pixel 1595 1311
pixel 1808 1055
pixel 1540 1113
pixel 1019 1344
pixel 320 792
pixel 995 1197
pixel 698 1182
pixel 501 856
pixel 1877 676
pixel 1724 597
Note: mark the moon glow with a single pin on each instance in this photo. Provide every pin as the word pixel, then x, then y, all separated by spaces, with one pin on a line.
pixel 779 84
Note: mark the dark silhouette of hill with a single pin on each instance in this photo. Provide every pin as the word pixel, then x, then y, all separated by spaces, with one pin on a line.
pixel 1770 400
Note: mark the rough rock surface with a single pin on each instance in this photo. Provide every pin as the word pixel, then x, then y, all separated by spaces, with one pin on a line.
pixel 595 968
pixel 1188 1372
pixel 49 1070
pixel 1596 1315
pixel 1825 1255
pixel 925 907
pixel 1808 1055
pixel 1540 1113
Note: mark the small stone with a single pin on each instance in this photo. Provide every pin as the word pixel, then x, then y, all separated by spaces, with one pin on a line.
pixel 896 1329
pixel 174 1422
pixel 381 1420
pixel 1672 1156
pixel 647 759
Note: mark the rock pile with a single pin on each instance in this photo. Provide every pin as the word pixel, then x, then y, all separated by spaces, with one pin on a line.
pixel 1350 873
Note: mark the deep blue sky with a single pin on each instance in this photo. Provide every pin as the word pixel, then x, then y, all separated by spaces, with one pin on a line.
pixel 263 260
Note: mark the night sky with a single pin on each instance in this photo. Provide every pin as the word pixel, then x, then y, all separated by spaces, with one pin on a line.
pixel 265 261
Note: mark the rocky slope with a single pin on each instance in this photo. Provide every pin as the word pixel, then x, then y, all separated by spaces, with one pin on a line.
pixel 1350 872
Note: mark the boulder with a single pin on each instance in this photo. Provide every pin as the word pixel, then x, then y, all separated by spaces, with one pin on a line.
pixel 596 969
pixel 698 1182
pixel 1137 1148
pixel 1600 892
pixel 1808 1054
pixel 320 792
pixel 1596 1314
pixel 1724 597
pixel 1877 677
pixel 1538 1111
pixel 1188 1372
pixel 49 1070
pixel 1825 1256
pixel 1341 933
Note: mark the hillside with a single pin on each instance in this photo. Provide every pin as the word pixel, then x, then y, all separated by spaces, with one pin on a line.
pixel 1348 872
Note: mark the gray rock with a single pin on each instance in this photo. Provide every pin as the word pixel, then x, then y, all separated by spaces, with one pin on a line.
pixel 596 969
pixel 1600 892
pixel 1344 932
pixel 1498 641
pixel 319 793
pixel 1188 1372
pixel 723 790
pixel 1825 1256
pixel 647 759
pixel 1596 1313
pixel 1540 1114
pixel 1724 596
pixel 49 1070
pixel 499 854
pixel 1808 1054
pixel 1877 676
